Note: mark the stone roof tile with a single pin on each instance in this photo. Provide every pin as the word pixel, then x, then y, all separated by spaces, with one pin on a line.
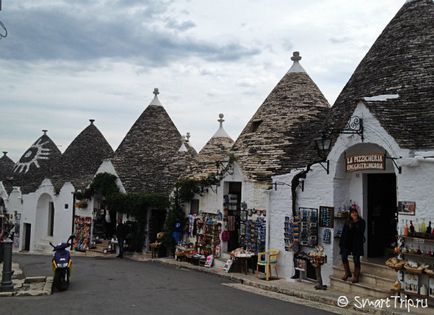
pixel 84 155
pixel 400 62
pixel 279 135
pixel 6 166
pixel 143 158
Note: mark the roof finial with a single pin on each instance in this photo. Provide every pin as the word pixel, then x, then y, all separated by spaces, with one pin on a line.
pixel 183 147
pixel 5 152
pixel 91 121
pixel 221 120
pixel 221 133
pixel 156 101
pixel 187 137
pixel 296 67
pixel 44 131
pixel 296 56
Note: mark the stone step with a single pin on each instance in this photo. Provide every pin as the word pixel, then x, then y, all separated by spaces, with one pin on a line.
pixel 373 269
pixel 369 279
pixel 360 289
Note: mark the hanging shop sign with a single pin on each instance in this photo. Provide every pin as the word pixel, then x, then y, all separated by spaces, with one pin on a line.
pixel 372 161
pixel 407 207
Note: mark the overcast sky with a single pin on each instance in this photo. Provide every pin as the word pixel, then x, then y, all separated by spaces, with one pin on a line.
pixel 64 61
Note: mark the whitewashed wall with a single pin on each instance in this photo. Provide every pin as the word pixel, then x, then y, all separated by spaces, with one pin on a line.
pixel 252 193
pixel 280 207
pixel 35 213
pixel 416 183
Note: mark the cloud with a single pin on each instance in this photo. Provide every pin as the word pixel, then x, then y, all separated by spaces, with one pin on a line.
pixel 180 26
pixel 339 40
pixel 45 33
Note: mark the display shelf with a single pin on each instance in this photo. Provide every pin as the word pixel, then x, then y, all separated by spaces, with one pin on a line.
pixel 417 238
pixel 414 294
pixel 418 255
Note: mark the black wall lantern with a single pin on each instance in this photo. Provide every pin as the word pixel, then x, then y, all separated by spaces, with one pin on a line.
pixel 323 143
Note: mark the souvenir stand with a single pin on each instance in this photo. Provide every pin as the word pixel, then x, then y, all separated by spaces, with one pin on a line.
pixel 253 230
pixel 231 220
pixel 301 237
pixel 252 235
pixel 203 239
pixel 414 262
pixel 82 227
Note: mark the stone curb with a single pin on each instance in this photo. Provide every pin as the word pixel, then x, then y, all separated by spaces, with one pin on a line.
pixel 35 286
pixel 320 297
pixel 29 286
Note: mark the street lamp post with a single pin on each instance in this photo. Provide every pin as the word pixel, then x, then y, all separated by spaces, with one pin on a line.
pixel 6 284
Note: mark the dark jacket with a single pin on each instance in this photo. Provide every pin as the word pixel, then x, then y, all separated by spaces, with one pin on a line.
pixel 353 238
pixel 121 231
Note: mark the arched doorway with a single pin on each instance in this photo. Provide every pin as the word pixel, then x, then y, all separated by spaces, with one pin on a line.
pixel 44 223
pixel 373 188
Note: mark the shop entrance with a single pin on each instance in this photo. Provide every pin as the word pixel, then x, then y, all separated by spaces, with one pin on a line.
pixel 382 212
pixel 233 208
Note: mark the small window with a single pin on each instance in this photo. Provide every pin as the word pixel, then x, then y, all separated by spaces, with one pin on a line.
pixel 194 206
pixel 255 125
pixel 66 206
pixel 51 219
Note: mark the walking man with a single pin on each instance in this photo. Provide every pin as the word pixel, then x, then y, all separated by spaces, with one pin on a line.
pixel 121 233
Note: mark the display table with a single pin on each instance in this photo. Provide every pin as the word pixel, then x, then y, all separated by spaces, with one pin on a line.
pixel 184 253
pixel 243 259
pixel 155 247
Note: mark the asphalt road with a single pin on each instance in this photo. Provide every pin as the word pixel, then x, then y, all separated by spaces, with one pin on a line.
pixel 121 286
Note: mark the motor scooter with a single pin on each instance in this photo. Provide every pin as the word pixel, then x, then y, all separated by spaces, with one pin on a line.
pixel 61 264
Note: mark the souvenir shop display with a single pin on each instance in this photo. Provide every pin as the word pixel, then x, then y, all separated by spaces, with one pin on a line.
pixel 82 226
pixel 209 261
pixel 231 218
pixel 243 258
pixel 327 236
pixel 228 265
pixel 318 258
pixel 414 263
pixel 184 250
pixel 291 232
pixel 326 216
pixel 308 227
pixel 205 230
pixel 253 229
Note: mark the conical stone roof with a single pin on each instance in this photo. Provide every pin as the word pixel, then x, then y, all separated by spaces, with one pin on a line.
pixel 215 150
pixel 6 166
pixel 280 134
pixel 396 79
pixel 37 163
pixel 84 155
pixel 143 158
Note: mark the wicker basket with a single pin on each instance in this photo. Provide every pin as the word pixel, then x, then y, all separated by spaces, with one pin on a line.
pixel 397 266
pixel 413 270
